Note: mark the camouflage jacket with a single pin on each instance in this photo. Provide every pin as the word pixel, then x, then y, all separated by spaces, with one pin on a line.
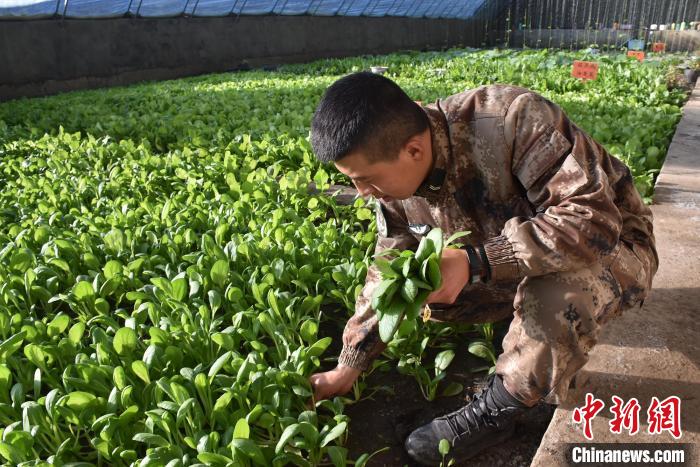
pixel 537 192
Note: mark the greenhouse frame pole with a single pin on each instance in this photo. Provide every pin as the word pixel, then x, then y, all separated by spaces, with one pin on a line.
pixel 196 4
pixel 413 8
pixel 433 10
pixel 272 11
pixel 337 12
pixel 139 7
pixel 390 8
pixel 454 10
pixel 352 2
pixel 442 12
pixel 240 12
pixel 284 5
pixel 65 8
pixel 371 10
pixel 320 2
pixel 233 7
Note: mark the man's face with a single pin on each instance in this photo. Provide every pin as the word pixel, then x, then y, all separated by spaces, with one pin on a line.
pixel 394 179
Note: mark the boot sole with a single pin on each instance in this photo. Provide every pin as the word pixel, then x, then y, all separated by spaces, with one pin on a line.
pixel 497 439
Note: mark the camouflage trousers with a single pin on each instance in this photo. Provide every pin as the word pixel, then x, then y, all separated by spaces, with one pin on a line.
pixel 556 319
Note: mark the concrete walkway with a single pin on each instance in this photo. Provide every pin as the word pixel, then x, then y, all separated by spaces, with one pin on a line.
pixel 654 351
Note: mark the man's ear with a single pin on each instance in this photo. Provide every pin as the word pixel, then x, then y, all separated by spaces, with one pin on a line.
pixel 414 147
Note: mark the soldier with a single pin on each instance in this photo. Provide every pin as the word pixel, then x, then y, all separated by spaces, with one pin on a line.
pixel 560 238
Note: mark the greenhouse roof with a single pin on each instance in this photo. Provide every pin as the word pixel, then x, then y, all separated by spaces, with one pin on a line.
pixel 28 9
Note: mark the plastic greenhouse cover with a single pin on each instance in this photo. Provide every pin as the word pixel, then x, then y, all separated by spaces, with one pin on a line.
pixel 14 9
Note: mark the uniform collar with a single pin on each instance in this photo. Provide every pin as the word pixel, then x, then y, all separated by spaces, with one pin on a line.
pixel 432 186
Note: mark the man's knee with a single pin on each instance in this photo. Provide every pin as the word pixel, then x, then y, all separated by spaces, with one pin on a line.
pixel 566 302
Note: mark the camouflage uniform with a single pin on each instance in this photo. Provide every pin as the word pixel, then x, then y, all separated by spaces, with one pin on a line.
pixel 568 238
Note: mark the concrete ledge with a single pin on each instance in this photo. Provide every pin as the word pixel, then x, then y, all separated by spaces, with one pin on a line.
pixel 653 351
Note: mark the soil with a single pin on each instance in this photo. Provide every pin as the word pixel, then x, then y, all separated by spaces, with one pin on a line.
pixel 392 406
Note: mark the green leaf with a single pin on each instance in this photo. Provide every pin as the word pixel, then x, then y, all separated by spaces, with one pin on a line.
pixel 321 179
pixel 481 349
pixel 219 272
pixel 364 214
pixel 241 430
pixel 385 268
pixel 444 447
pixel 409 291
pixel 211 458
pixel 435 236
pixel 35 355
pixel 384 292
pixel 179 289
pixel 119 378
pixel 84 292
pixel 141 370
pixel 308 330
pixel 58 324
pixel 78 400
pixel 334 433
pixel 11 345
pixel 409 264
pixel 151 439
pixel 390 321
pixel 21 261
pixel 115 241
pixel 287 434
pixel 125 341
pixel 338 455
pixel 413 308
pixel 214 299
pixel 219 363
pixel 443 359
pixel 452 389
pixel 455 236
pixel 112 268
pixel 434 276
pixel 319 347
pixel 75 335
pixel 11 454
pixel 250 450
pixel 424 250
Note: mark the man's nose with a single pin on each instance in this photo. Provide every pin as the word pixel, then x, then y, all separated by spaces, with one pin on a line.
pixel 364 189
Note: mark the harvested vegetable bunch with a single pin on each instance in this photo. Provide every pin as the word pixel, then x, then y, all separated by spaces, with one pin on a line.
pixel 407 280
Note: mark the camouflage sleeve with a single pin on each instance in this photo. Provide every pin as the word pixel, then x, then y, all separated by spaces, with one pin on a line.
pixel 575 219
pixel 361 342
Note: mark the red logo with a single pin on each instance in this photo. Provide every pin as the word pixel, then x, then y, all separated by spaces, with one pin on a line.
pixel 662 415
pixel 587 413
pixel 665 416
pixel 626 416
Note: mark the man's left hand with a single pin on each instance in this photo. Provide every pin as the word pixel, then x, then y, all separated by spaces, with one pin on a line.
pixel 454 267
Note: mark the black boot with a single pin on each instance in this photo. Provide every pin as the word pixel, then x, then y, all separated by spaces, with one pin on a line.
pixel 489 419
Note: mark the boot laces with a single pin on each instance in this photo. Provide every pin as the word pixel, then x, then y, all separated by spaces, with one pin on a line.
pixel 472 417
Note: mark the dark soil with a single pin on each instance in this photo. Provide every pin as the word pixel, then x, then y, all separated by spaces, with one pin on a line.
pixel 395 407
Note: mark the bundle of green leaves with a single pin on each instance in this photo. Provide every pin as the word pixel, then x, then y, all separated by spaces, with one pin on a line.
pixel 407 280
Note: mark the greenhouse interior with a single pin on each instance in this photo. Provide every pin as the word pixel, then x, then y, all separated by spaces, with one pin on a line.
pixel 349 232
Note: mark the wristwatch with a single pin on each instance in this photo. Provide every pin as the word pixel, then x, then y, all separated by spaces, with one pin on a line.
pixel 479 269
pixel 474 265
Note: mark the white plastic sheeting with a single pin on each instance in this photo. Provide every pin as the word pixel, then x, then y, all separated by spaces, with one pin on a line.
pixel 29 9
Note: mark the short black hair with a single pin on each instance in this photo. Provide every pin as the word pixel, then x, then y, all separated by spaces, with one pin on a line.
pixel 368 112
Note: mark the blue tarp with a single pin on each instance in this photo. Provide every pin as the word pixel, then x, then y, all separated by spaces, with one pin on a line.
pixel 28 9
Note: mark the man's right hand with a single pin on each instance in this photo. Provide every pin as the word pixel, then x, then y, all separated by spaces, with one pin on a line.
pixel 334 383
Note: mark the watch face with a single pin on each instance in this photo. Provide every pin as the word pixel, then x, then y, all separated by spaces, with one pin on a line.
pixel 420 229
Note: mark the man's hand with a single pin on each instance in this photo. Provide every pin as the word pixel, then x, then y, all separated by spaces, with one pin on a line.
pixel 454 267
pixel 333 383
